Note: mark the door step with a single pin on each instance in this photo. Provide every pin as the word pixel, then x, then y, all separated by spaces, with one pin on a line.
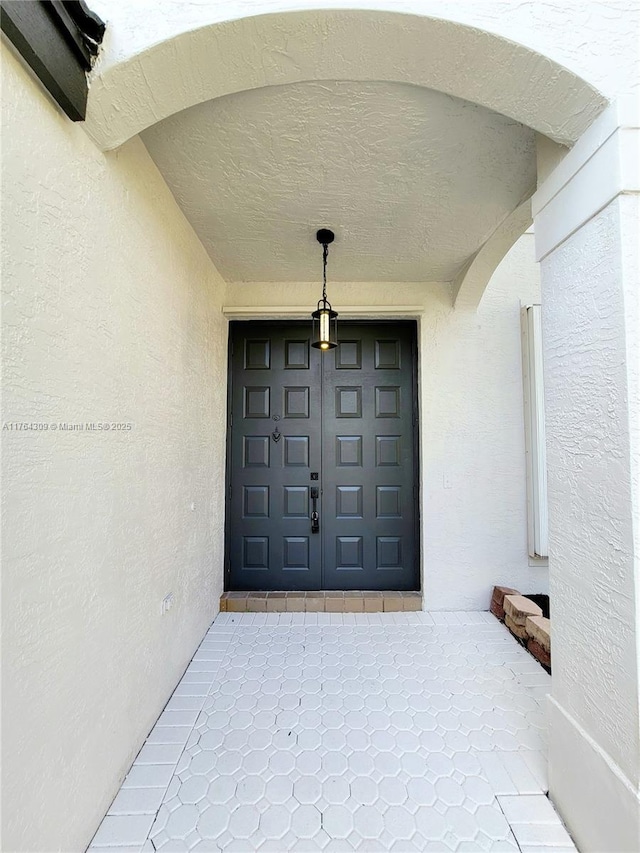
pixel 320 602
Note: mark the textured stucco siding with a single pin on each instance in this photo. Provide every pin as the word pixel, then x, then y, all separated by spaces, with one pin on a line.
pixel 587 37
pixel 474 503
pixel 591 531
pixel 111 314
pixel 563 59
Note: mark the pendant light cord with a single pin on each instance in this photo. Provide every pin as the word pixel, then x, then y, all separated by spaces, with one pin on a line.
pixel 325 254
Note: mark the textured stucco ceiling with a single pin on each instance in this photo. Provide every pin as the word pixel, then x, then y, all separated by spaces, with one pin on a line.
pixel 412 181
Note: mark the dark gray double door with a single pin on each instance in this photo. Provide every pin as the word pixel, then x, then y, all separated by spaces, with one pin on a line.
pixel 334 432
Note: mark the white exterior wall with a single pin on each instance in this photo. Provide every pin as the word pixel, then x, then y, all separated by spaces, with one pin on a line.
pixel 111 314
pixel 586 36
pixel 473 502
pixel 594 40
pixel 594 722
pixel 587 215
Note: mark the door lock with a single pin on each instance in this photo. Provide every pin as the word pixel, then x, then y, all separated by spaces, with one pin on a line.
pixel 315 518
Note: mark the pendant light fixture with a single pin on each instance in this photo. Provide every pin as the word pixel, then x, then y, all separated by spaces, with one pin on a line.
pixel 325 319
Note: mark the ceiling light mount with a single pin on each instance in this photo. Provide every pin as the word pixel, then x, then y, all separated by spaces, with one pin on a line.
pixel 324 318
pixel 325 236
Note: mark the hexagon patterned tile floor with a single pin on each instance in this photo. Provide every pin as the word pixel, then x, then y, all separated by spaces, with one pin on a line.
pixel 339 732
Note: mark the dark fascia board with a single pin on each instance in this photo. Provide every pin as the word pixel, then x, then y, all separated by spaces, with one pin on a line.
pixel 58 39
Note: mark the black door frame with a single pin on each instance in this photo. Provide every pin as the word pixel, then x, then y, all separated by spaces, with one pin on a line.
pixel 415 420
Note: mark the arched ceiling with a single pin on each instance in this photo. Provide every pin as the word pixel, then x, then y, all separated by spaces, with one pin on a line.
pixel 208 50
pixel 413 181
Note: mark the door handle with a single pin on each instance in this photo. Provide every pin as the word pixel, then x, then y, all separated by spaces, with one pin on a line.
pixel 315 518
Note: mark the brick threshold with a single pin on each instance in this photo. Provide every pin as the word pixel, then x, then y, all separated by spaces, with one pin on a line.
pixel 320 602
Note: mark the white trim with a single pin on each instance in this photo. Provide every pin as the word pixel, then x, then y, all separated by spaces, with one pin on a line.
pixel 297 312
pixel 603 164
pixel 624 113
pixel 595 746
pixel 534 430
pixel 613 169
pixel 598 801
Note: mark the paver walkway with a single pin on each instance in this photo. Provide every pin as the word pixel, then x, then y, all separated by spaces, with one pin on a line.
pixel 371 732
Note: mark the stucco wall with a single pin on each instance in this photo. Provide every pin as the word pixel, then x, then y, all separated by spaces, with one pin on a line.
pixel 586 36
pixel 591 357
pixel 111 314
pixel 594 547
pixel 157 58
pixel 473 504
pixel 474 510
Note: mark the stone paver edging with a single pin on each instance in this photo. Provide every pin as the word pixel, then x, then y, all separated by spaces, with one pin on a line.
pixel 330 601
pixel 523 617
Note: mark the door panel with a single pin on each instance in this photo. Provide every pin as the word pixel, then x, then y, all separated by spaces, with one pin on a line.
pixel 368 505
pixel 347 416
pixel 274 446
